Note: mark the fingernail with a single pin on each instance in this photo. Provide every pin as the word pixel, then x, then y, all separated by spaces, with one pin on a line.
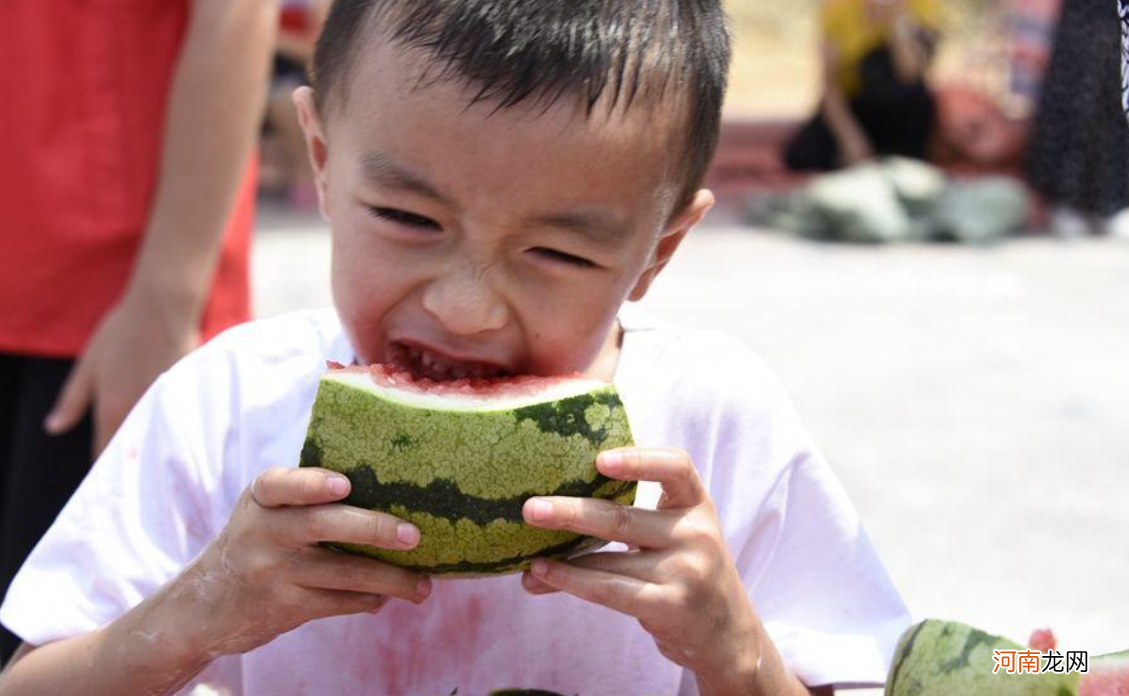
pixel 539 568
pixel 338 485
pixel 540 510
pixel 407 534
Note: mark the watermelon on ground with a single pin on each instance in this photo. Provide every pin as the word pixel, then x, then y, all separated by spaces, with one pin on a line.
pixel 459 459
pixel 947 658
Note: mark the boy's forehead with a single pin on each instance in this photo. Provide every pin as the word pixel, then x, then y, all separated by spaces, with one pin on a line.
pixel 394 89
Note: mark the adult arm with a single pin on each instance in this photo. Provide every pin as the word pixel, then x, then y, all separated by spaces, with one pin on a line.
pixel 854 145
pixel 215 107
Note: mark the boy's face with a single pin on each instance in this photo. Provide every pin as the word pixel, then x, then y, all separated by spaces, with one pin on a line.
pixel 469 241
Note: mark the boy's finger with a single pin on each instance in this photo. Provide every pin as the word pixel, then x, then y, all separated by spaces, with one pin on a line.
pixel 602 519
pixel 534 586
pixel 280 487
pixel 343 523
pixel 673 468
pixel 647 565
pixel 329 570
pixel 325 603
pixel 628 595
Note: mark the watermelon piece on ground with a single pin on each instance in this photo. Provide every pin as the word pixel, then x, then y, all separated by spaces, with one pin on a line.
pixel 947 658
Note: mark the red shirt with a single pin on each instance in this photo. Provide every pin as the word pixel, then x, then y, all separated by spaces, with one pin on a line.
pixel 83 93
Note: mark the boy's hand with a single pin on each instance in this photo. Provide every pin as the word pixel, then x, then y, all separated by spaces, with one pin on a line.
pixel 678 579
pixel 265 573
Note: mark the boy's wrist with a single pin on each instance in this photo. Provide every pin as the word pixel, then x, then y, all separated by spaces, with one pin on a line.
pixel 156 643
pixel 735 680
pixel 751 667
pixel 736 669
pixel 175 628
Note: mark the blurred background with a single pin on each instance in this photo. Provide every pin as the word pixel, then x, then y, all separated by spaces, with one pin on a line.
pixel 972 393
pixel 776 69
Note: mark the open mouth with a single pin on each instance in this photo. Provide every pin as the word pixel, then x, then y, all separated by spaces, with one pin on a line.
pixel 422 363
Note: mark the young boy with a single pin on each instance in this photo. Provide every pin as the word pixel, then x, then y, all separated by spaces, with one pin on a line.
pixel 500 176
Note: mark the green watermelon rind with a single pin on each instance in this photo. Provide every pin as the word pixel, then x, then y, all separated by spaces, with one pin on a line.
pixel 947 658
pixel 462 476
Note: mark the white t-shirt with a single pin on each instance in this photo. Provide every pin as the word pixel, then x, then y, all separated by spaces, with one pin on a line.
pixel 168 481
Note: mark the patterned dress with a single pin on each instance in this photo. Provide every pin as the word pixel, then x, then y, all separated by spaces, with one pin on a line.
pixel 1079 150
pixel 1123 10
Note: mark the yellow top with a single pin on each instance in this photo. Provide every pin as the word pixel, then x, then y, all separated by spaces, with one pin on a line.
pixel 853 34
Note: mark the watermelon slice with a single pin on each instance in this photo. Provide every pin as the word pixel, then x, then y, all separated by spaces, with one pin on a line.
pixel 459 458
pixel 946 658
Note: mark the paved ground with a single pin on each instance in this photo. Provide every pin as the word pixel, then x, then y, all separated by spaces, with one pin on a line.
pixel 975 402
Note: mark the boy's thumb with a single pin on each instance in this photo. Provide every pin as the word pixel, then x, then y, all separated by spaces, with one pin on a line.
pixel 72 403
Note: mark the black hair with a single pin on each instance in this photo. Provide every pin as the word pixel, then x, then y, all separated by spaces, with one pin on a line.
pixel 624 52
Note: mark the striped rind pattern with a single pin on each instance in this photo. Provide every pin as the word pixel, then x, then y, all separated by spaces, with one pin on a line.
pixel 463 476
pixel 947 658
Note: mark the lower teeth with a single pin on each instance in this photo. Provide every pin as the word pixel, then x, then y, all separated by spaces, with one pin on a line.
pixel 423 367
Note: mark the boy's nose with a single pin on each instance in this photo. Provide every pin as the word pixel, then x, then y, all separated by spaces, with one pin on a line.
pixel 464 304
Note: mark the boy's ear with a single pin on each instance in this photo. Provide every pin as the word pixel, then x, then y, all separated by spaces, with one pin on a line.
pixel 315 142
pixel 671 237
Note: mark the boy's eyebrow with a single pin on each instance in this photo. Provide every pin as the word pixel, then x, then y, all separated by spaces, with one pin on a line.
pixel 380 168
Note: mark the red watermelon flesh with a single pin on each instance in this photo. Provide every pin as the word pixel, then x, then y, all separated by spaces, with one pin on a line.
pixel 1108 676
pixel 400 378
pixel 1042 639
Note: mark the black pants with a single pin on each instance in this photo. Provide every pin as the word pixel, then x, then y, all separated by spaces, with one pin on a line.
pixel 38 472
pixel 896 117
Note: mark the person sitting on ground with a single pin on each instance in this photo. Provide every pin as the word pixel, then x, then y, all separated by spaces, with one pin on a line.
pixel 875 98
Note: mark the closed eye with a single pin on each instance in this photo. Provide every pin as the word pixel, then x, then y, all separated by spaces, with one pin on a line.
pixel 562 257
pixel 402 217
